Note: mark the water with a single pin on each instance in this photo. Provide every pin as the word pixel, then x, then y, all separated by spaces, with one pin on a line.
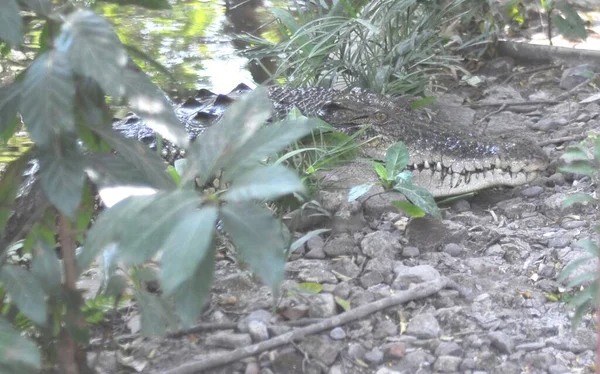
pixel 193 40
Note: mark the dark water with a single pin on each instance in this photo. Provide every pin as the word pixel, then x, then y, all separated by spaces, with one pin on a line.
pixel 195 42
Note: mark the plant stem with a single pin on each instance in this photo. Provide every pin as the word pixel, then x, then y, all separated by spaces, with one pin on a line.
pixel 70 356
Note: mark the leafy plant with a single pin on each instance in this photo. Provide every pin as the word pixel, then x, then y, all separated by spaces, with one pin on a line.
pixel 580 161
pixel 62 99
pixel 388 46
pixel 393 176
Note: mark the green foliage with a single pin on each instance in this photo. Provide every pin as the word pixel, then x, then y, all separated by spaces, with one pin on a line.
pixel 62 100
pixel 579 160
pixel 389 46
pixel 392 176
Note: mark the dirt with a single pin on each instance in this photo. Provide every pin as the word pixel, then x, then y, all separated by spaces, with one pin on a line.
pixel 502 249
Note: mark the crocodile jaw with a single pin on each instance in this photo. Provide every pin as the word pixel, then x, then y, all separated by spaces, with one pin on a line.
pixel 447 173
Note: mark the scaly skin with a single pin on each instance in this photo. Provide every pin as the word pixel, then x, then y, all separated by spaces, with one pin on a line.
pixel 443 159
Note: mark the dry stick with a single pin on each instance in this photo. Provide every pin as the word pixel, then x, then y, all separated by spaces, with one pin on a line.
pixel 420 291
pixel 562 139
pixel 568 93
pixel 514 103
pixel 530 71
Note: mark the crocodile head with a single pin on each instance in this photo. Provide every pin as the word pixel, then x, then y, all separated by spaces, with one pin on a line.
pixel 443 159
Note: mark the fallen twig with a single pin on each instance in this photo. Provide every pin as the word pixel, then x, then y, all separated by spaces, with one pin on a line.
pixel 514 103
pixel 562 139
pixel 418 292
pixel 530 71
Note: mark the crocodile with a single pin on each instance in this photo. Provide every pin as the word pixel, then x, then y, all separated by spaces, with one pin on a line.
pixel 443 159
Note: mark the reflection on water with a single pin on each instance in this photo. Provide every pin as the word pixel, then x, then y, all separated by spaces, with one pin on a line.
pixel 193 40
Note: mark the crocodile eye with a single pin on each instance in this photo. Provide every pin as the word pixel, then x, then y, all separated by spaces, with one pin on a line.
pixel 380 116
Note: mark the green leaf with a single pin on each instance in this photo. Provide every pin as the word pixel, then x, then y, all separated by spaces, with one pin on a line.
pixel 11 25
pixel 422 102
pixel 396 159
pixel 150 103
pixel 25 291
pixel 155 314
pixel 265 183
pixel 192 294
pixel 40 7
pixel 358 191
pixel 420 197
pixel 110 170
pixel 306 237
pixel 109 226
pixel 62 175
pixel 46 268
pixel 142 159
pixel 583 279
pixel 408 208
pixel 589 246
pixel 48 90
pixel 579 167
pixel 575 153
pixel 259 239
pixel 345 304
pixel 572 25
pixel 144 233
pixel 185 248
pixel 94 50
pixel 311 287
pixel 267 141
pixel 214 149
pixel 577 198
pixel 9 187
pixel 380 170
pixel 17 353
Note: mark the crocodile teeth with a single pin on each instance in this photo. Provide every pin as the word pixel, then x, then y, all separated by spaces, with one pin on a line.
pixel 455 180
pixel 438 166
pixel 164 152
pixel 468 177
pixel 416 166
pixel 426 165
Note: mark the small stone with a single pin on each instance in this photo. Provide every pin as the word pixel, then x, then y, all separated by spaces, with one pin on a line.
pixel 573 76
pixel 446 364
pixel 380 244
pixel 549 124
pixel 395 350
pixel 424 326
pixel 385 328
pixel 322 306
pixel 467 364
pixel 410 252
pixel 556 179
pixel 501 341
pixel 452 249
pixel 371 278
pixel 448 349
pixel 337 333
pixel 374 356
pixel 341 245
pixel 461 206
pixel 532 191
pixel 321 347
pixel 415 360
pixel 259 315
pixel 346 267
pixel 405 275
pixel 356 351
pixel 558 369
pixel 258 331
pixel 559 242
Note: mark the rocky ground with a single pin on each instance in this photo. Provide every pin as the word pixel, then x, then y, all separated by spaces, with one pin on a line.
pixel 479 288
